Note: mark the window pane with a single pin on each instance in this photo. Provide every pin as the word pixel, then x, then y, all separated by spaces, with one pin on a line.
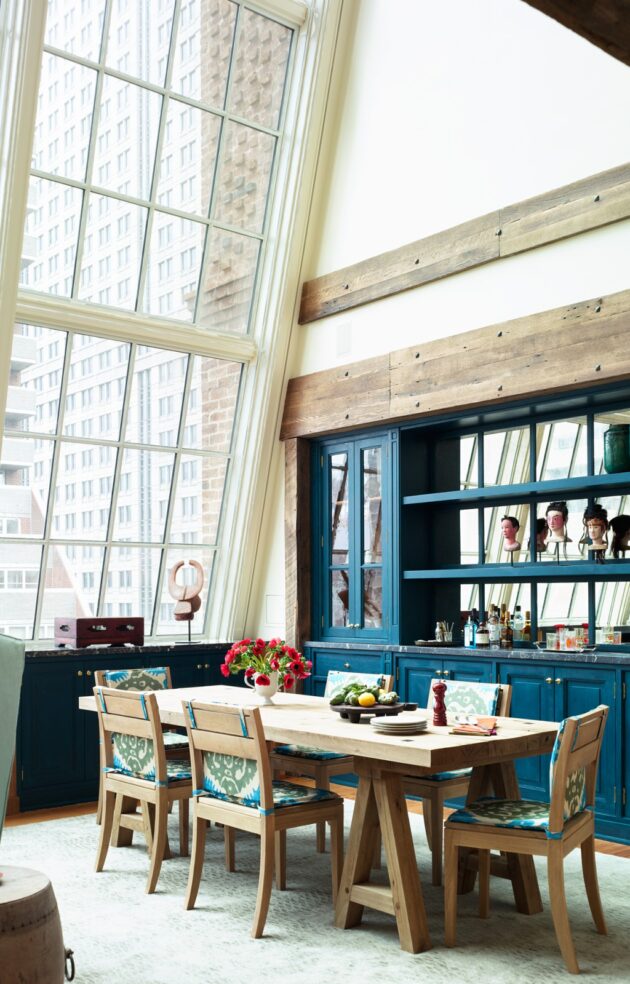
pixel 139 38
pixel 186 575
pixel 509 595
pixel 62 130
pixel 25 467
pixel 175 253
pixel 227 286
pixel 189 151
pixel 50 237
pixel 126 166
pixel 506 457
pixel 203 51
pixel 372 507
pixel 198 499
pixel 339 599
pixel 132 581
pixel 35 381
pixel 113 251
pixel 339 536
pixel 561 604
pixel 246 159
pixel 561 449
pixel 140 513
pixel 156 397
pixel 612 607
pixel 73 578
pixel 612 442
pixel 96 388
pixel 260 69
pixel 469 536
pixel 505 526
pixel 80 512
pixel 211 404
pixel 468 462
pixel 372 598
pixel 18 588
pixel 79 34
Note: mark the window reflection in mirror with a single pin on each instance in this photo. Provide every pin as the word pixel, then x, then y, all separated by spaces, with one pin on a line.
pixel 561 449
pixel 550 547
pixel 612 612
pixel 504 526
pixel 506 457
pixel 469 536
pixel 612 442
pixel 509 595
pixel 468 462
pixel 561 604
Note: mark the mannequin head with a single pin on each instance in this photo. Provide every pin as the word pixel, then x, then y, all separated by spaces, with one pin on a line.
pixel 509 528
pixel 595 522
pixel 556 516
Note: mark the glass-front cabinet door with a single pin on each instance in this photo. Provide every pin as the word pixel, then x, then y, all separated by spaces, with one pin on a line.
pixel 352 595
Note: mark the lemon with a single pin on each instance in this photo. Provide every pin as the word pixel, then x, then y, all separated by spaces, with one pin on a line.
pixel 367 699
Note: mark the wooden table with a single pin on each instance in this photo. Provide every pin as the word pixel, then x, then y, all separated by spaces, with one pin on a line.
pixel 380 761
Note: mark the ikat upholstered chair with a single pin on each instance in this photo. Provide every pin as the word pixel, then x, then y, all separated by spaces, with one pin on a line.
pixel 135 768
pixel 232 785
pixel 302 760
pixel 549 830
pixel 144 679
pixel 461 697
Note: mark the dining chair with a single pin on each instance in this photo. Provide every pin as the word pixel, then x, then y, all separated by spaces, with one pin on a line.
pixel 232 785
pixel 303 760
pixel 549 830
pixel 135 767
pixel 461 697
pixel 144 679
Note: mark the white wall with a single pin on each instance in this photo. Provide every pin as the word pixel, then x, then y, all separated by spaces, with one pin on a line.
pixel 443 112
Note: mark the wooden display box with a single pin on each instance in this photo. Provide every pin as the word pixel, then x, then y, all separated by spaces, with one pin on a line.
pixel 80 632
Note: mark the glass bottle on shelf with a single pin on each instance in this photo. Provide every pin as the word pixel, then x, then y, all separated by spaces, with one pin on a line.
pixel 494 628
pixel 506 631
pixel 527 628
pixel 469 633
pixel 483 637
pixel 518 623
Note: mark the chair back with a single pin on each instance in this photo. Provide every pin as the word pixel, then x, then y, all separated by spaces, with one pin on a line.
pixel 468 697
pixel 338 679
pixel 11 669
pixel 229 756
pixel 140 678
pixel 573 768
pixel 131 734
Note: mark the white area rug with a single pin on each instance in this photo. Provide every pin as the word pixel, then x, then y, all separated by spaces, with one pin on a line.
pixel 122 936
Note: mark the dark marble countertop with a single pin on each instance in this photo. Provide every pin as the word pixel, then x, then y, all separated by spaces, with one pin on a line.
pixel 172 648
pixel 610 657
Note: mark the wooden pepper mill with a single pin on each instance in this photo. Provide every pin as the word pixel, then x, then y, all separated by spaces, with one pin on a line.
pixel 439 706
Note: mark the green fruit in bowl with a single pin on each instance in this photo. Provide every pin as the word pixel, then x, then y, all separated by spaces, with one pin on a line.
pixel 388 698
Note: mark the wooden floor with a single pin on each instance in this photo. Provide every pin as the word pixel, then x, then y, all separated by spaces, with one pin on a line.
pixel 35 816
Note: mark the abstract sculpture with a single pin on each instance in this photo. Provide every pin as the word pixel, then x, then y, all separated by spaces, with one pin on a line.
pixel 186 595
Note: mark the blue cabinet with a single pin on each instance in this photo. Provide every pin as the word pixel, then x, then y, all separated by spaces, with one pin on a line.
pixel 353 535
pixel 533 698
pixel 414 674
pixel 348 661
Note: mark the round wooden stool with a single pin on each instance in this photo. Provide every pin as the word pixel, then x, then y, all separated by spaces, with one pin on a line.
pixel 31 943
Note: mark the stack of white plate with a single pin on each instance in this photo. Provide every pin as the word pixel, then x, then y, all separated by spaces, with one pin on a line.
pixel 399 725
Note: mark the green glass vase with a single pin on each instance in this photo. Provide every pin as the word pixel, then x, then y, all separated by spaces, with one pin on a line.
pixel 617 448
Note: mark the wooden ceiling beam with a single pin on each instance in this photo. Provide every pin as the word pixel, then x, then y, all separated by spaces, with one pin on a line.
pixel 605 23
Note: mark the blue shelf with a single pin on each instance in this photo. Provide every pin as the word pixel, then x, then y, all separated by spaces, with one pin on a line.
pixel 583 485
pixel 548 571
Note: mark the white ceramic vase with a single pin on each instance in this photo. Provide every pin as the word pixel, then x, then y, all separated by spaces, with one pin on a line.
pixel 264 693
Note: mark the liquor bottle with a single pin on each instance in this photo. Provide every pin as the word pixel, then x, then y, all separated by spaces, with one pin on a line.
pixel 483 637
pixel 517 625
pixel 469 633
pixel 506 632
pixel 527 628
pixel 494 628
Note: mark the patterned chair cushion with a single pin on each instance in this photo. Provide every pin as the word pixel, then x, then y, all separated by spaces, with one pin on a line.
pixel 453 774
pixel 139 679
pixel 521 814
pixel 466 697
pixel 235 780
pixel 135 756
pixel 173 740
pixel 306 751
pixel 575 790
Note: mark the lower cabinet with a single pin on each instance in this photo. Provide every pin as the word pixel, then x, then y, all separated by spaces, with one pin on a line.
pixel 57 759
pixel 348 661
pixel 415 673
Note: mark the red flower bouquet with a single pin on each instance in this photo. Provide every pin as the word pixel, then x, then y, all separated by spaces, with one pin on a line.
pixel 259 659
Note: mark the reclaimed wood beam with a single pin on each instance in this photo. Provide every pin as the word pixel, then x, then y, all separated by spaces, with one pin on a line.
pixel 572 347
pixel 590 203
pixel 297 541
pixel 605 23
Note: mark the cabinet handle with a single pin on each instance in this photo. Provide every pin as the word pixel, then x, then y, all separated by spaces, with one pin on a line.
pixel 199 666
pixel 79 672
pixel 438 673
pixel 558 679
pixel 446 672
pixel 346 666
pixel 88 673
pixel 548 680
pixel 206 666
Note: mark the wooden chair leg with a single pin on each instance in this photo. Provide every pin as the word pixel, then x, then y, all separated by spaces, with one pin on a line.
pixel 336 852
pixel 184 826
pixel 199 825
pixel 281 859
pixel 159 843
pixel 437 837
pixel 557 898
pixel 589 871
pixel 265 878
pixel 106 829
pixel 322 781
pixel 148 820
pixel 484 884
pixel 99 805
pixel 426 816
pixel 451 858
pixel 229 840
